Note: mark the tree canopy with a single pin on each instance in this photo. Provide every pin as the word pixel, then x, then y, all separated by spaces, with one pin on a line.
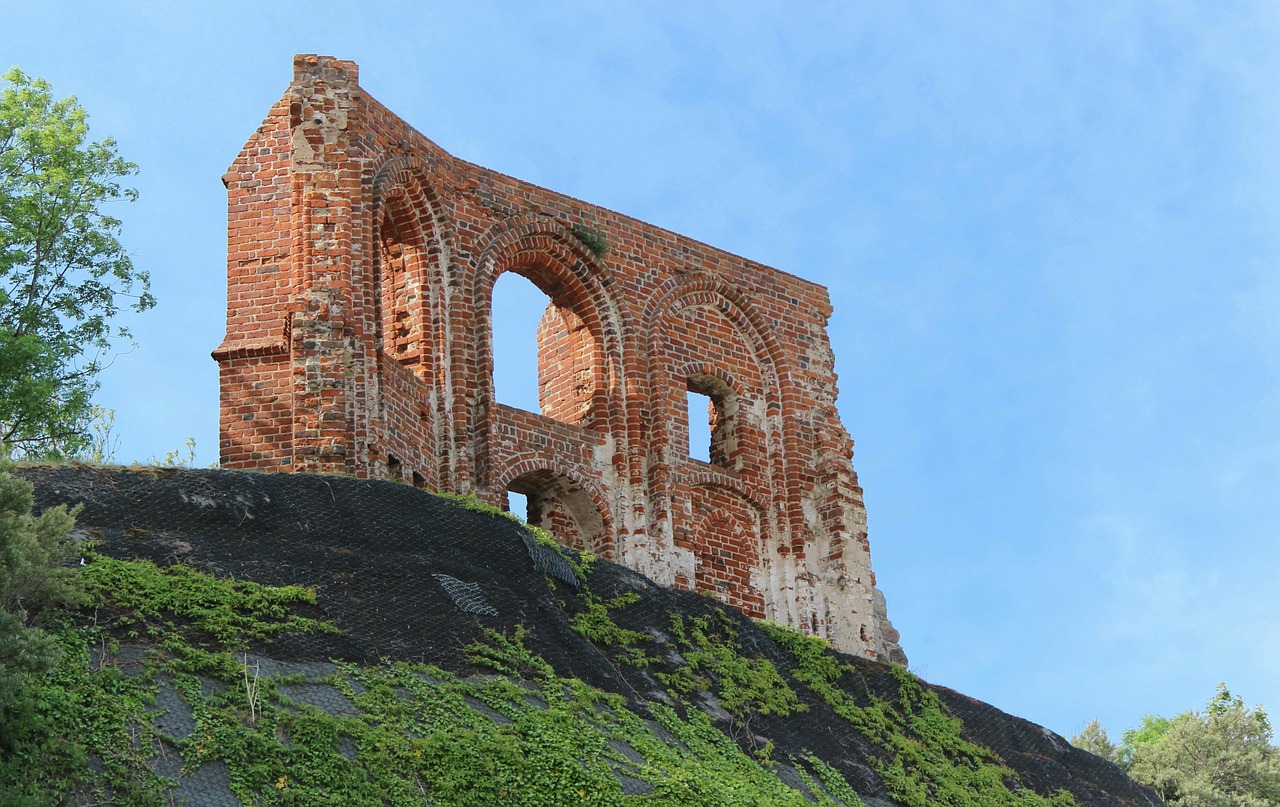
pixel 64 275
pixel 1219 757
pixel 1093 738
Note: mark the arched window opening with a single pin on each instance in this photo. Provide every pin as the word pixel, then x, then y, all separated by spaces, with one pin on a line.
pixel 561 507
pixel 545 358
pixel 712 410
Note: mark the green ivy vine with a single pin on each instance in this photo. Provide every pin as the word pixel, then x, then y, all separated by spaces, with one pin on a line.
pixel 926 761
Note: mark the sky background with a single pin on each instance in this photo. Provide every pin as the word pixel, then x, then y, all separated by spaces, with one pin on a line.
pixel 1049 231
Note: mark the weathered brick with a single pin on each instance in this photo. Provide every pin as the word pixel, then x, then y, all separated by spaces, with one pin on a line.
pixel 361 263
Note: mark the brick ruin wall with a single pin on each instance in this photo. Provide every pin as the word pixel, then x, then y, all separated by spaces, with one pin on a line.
pixel 361 264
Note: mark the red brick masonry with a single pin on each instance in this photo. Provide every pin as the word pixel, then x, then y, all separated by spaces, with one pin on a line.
pixel 361 262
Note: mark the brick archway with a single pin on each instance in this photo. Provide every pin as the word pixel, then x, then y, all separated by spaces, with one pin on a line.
pixel 668 373
pixel 726 547
pixel 553 259
pixel 566 503
pixel 404 202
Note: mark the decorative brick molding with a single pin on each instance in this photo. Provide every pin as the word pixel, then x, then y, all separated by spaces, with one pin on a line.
pixel 361 264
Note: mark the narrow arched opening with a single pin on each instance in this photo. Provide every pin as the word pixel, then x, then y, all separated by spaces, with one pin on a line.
pixel 400 326
pixel 725 544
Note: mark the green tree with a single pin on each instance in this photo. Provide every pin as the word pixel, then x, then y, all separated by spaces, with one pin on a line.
pixel 63 272
pixel 1221 757
pixel 1149 732
pixel 34 574
pixel 1093 738
pixel 35 580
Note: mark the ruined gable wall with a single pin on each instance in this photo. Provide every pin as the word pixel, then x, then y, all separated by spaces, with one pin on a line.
pixel 262 274
pixel 369 352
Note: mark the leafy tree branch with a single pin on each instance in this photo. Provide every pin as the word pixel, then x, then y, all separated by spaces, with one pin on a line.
pixel 64 275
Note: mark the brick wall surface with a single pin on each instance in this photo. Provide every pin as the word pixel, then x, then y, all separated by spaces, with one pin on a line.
pixel 361 263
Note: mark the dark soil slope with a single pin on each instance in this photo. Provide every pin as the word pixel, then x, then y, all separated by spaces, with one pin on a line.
pixel 407 576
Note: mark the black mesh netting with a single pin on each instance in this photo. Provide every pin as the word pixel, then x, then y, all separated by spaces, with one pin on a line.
pixel 411 576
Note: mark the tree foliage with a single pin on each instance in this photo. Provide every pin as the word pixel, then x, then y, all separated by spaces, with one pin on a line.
pixel 35 579
pixel 34 574
pixel 1093 738
pixel 1149 732
pixel 64 274
pixel 1221 757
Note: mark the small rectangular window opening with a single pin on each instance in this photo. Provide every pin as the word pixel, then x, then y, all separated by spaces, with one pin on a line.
pixel 700 408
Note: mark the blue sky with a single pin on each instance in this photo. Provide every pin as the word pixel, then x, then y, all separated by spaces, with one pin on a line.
pixel 1049 230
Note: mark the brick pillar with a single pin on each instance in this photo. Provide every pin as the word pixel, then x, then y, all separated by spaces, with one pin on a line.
pixel 331 342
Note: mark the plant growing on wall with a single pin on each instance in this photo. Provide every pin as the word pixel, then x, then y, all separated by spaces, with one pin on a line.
pixel 592 239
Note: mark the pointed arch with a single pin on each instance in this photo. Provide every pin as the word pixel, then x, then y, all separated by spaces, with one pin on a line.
pixel 412 253
pixel 727 547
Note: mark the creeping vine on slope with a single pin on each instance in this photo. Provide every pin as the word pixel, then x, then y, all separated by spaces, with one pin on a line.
pixel 744 685
pixel 95 708
pixel 412 733
pixel 926 760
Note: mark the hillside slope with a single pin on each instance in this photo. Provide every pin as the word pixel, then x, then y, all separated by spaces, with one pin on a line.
pixel 450 657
